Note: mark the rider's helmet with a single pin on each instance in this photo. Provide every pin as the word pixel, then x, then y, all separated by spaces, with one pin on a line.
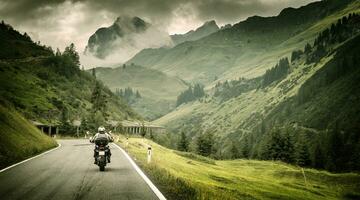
pixel 101 130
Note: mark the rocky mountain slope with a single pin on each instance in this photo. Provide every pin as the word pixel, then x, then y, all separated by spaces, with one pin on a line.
pixel 124 38
pixel 206 29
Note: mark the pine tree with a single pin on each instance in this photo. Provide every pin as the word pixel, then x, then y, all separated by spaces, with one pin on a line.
pixel 302 157
pixel 198 91
pixel 57 53
pixel 234 151
pixel 279 146
pixel 93 72
pixel 307 48
pixel 65 126
pixel 318 157
pixel 70 51
pixel 245 150
pixel 296 55
pixel 138 94
pixel 98 99
pixel 205 143
pixel 183 144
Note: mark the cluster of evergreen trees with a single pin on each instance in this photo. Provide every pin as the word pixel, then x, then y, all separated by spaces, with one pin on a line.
pixel 128 94
pixel 332 148
pixel 205 143
pixel 191 94
pixel 234 88
pixel 329 147
pixel 278 72
pixel 337 33
pixel 280 145
pixel 295 55
pixel 341 64
pixel 66 63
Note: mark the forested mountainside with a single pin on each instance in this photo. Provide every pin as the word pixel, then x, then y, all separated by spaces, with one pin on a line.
pixel 245 49
pixel 50 87
pixel 307 102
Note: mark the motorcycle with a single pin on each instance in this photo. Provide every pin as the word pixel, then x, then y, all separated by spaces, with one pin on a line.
pixel 101 152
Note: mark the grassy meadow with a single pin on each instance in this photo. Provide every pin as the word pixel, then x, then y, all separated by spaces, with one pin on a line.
pixel 181 175
pixel 19 138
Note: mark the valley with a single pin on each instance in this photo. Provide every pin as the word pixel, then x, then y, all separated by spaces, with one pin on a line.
pixel 264 108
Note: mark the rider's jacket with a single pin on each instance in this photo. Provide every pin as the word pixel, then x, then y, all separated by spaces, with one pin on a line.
pixel 97 135
pixel 104 136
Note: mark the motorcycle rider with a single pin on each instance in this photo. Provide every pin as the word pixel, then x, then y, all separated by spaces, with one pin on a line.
pixel 101 135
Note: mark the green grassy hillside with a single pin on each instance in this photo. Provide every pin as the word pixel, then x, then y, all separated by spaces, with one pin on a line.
pixel 19 138
pixel 158 90
pixel 315 98
pixel 188 176
pixel 50 87
pixel 16 45
pixel 247 49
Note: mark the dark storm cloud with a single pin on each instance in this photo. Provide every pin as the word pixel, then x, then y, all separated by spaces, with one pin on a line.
pixel 60 22
pixel 236 10
pixel 27 10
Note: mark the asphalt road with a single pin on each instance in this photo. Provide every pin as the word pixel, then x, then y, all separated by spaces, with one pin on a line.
pixel 69 173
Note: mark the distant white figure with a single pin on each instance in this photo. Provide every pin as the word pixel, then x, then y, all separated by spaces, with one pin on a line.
pixel 87 134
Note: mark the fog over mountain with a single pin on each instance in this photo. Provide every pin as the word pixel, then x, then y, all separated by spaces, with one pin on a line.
pixel 58 23
pixel 122 40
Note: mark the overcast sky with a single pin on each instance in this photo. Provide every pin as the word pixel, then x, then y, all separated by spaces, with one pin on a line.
pixel 60 22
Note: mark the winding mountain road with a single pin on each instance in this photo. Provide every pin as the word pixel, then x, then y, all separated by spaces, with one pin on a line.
pixel 69 173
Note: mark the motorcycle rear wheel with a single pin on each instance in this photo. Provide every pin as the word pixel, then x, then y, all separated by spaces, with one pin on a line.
pixel 102 168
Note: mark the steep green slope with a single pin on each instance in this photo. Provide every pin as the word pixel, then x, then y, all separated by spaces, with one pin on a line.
pixel 15 45
pixel 19 138
pixel 51 88
pixel 247 48
pixel 158 90
pixel 318 96
pixel 41 93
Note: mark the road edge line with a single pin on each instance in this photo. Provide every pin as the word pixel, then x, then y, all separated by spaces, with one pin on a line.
pixel 21 162
pixel 142 174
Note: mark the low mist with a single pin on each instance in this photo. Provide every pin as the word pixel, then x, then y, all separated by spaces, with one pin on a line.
pixel 124 48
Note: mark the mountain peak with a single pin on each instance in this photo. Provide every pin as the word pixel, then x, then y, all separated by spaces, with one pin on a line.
pixel 206 29
pixel 101 42
pixel 210 23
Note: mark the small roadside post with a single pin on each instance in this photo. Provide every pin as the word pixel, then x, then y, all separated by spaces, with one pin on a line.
pixel 87 134
pixel 149 152
pixel 302 169
pixel 127 142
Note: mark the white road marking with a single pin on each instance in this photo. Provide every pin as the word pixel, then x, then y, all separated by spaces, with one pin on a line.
pixel 141 173
pixel 16 164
